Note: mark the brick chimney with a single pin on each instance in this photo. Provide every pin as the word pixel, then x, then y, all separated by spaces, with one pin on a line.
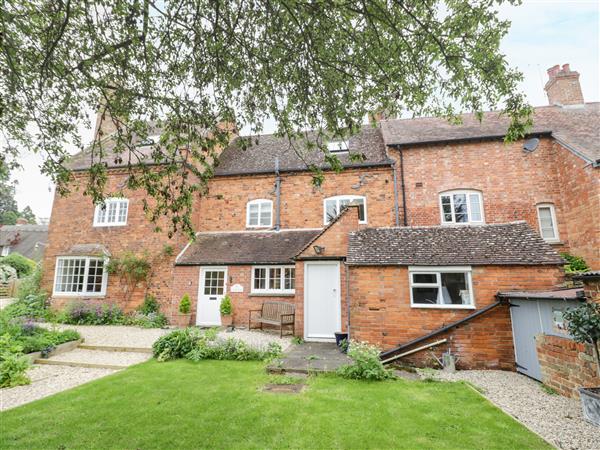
pixel 563 86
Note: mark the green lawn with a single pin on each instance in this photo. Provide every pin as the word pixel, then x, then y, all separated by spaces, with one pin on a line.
pixel 219 404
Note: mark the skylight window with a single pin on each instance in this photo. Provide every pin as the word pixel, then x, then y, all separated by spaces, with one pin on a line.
pixel 338 147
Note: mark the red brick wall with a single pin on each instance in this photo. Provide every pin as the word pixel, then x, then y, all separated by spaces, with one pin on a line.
pixel 512 182
pixel 224 208
pixel 580 191
pixel 72 223
pixel 381 312
pixel 566 364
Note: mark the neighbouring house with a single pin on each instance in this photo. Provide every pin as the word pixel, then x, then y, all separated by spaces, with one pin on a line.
pixel 25 239
pixel 411 245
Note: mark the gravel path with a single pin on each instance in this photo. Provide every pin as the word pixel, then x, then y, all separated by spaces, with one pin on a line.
pixel 102 357
pixel 116 335
pixel 556 418
pixel 257 338
pixel 48 380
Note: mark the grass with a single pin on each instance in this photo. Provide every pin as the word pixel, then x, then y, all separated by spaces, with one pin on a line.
pixel 219 404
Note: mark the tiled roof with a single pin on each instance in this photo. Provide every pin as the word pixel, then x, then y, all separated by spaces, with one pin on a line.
pixel 28 240
pixel 269 247
pixel 577 127
pixel 260 156
pixel 593 275
pixel 495 244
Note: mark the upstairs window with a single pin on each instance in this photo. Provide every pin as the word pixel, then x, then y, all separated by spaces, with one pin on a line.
pixel 334 205
pixel 80 275
pixel 5 250
pixel 547 222
pixel 274 280
pixel 441 287
pixel 458 207
pixel 113 212
pixel 259 213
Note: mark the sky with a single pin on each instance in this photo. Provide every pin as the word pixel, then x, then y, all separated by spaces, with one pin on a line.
pixel 543 33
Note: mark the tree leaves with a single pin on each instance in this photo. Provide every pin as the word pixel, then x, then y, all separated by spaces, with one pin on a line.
pixel 195 70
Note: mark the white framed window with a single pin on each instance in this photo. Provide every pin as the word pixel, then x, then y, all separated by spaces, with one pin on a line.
pixel 259 213
pixel 441 287
pixel 5 250
pixel 332 207
pixel 80 276
pixel 463 206
pixel 273 280
pixel 547 221
pixel 112 213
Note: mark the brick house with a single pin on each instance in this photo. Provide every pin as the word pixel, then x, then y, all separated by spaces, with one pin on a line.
pixel 420 235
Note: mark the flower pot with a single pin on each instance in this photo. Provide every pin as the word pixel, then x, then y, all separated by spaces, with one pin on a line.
pixel 226 320
pixel 341 340
pixel 590 403
pixel 182 320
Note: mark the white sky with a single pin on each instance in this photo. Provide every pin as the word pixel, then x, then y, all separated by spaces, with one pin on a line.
pixel 543 33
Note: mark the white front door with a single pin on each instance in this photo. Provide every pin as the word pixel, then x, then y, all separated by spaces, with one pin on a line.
pixel 322 305
pixel 213 287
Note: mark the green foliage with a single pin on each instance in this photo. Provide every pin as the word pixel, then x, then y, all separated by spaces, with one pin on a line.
pixel 149 320
pixel 185 304
pixel 367 364
pixel 150 305
pixel 574 263
pixel 583 322
pixel 9 212
pixel 131 267
pixel 13 364
pixel 225 307
pixel 7 273
pixel 285 379
pixel 86 313
pixel 23 265
pixel 297 340
pixel 31 285
pixel 33 305
pixel 176 344
pixel 308 65
pixel 548 389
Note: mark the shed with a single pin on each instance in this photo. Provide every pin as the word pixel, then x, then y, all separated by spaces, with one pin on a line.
pixel 537 312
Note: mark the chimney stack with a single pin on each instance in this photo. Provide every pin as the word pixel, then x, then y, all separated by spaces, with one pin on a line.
pixel 563 86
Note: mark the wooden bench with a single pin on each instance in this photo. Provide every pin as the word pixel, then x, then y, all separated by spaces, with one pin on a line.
pixel 274 313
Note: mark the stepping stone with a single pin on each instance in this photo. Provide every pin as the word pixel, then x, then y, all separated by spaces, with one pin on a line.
pixel 284 388
pixel 96 359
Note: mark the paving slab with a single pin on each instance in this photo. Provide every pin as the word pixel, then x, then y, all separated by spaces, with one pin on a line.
pixel 310 357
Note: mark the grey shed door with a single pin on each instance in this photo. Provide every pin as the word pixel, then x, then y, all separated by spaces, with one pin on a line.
pixel 526 325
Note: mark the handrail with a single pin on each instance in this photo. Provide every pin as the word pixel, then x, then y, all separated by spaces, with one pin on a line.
pixel 387 354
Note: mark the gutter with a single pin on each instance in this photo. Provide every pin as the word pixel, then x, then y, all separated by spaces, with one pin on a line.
pixel 400 348
pixel 277 196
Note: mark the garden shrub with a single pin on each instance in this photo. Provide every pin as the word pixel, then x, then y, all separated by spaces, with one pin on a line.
pixel 185 304
pixel 225 307
pixel 366 363
pixel 82 313
pixel 33 305
pixel 583 323
pixel 7 273
pixel 31 285
pixel 24 266
pixel 13 364
pixel 146 320
pixel 176 344
pixel 150 305
pixel 574 264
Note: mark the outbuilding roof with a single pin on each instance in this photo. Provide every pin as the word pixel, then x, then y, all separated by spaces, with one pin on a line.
pixel 494 244
pixel 269 247
pixel 557 294
pixel 28 240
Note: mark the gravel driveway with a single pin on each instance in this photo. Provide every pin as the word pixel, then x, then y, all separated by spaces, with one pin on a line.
pixel 556 418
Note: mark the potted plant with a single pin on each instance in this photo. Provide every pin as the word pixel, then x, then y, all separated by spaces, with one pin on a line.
pixel 583 323
pixel 185 306
pixel 226 312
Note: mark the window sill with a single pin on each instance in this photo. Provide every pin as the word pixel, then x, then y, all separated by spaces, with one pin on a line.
pixel 76 295
pixel 272 294
pixel 104 225
pixel 554 242
pixel 443 306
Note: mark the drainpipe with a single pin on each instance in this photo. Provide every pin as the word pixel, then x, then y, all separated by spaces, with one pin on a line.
pixel 404 213
pixel 347 273
pixel 277 196
pixel 396 212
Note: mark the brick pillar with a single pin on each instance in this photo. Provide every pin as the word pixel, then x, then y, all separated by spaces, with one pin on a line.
pixel 591 285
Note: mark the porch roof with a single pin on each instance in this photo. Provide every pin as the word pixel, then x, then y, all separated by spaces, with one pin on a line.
pixel 246 247
pixel 512 243
pixel 555 294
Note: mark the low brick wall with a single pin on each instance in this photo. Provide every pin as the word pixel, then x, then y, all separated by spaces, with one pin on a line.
pixel 566 364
